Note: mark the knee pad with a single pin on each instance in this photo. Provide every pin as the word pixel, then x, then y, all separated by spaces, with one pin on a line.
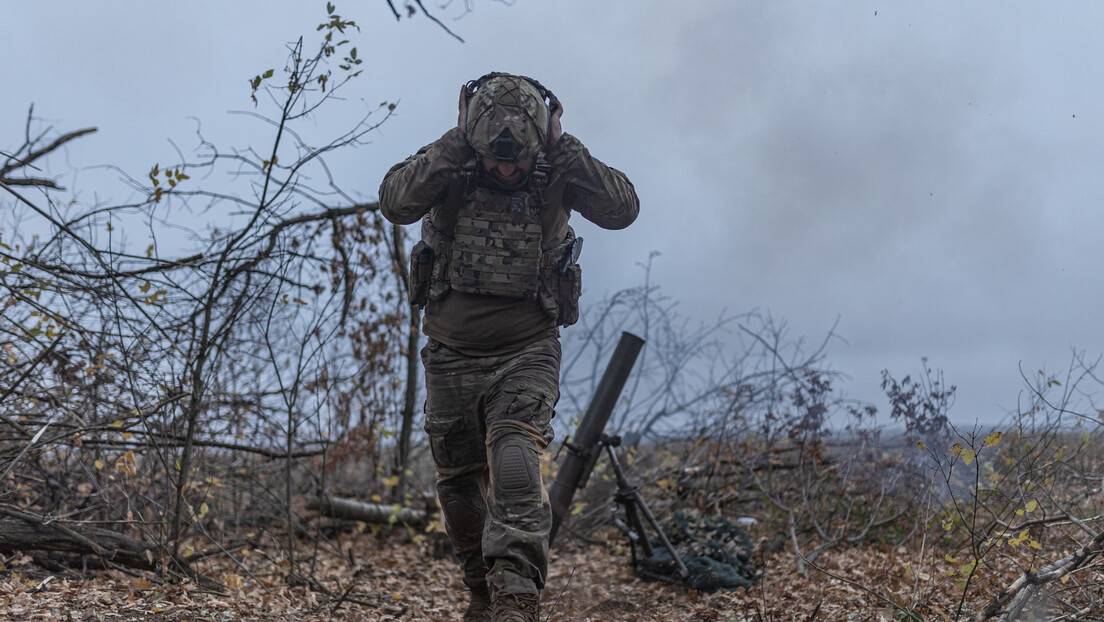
pixel 515 465
pixel 464 516
pixel 463 506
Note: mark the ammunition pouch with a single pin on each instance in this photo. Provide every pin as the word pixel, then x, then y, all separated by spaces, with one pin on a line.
pixel 561 281
pixel 421 272
pixel 571 288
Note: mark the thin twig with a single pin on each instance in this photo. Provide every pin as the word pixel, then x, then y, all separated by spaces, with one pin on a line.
pixel 437 21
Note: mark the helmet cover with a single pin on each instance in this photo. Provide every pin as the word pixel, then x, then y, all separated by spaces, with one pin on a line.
pixel 507 119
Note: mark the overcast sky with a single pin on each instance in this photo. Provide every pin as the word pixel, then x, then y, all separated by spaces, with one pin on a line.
pixel 926 173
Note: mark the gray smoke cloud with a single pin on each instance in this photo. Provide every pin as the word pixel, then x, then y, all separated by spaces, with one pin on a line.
pixel 924 173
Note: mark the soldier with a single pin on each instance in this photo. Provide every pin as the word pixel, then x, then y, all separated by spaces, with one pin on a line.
pixel 497 275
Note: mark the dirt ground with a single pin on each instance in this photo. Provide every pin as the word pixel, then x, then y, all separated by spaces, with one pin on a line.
pixel 371 578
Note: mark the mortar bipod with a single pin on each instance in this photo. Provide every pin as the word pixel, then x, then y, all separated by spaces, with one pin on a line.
pixel 628 497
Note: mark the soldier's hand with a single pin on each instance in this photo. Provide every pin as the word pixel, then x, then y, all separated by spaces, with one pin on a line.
pixel 555 130
pixel 462 118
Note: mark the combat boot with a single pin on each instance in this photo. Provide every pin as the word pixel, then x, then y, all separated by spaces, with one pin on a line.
pixel 479 608
pixel 507 607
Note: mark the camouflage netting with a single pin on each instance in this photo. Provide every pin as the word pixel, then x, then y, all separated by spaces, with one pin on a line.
pixel 716 552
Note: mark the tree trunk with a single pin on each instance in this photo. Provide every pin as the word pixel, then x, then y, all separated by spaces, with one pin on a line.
pixel 406 428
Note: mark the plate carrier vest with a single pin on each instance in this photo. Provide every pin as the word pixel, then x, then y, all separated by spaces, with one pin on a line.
pixel 494 249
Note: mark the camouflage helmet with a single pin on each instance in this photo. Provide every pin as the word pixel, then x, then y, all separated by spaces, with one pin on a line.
pixel 507 117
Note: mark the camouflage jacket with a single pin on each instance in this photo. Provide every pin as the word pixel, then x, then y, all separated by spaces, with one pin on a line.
pixel 430 186
pixel 429 182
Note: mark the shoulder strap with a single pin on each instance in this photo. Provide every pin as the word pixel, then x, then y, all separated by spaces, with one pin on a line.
pixel 538 177
pixel 469 175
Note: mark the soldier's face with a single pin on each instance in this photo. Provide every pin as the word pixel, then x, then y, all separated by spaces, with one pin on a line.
pixel 508 172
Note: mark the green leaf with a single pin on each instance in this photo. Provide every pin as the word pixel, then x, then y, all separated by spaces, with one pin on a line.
pixel 993 438
pixel 268 74
pixel 968 569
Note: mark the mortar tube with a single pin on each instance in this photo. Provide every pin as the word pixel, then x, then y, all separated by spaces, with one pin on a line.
pixel 584 446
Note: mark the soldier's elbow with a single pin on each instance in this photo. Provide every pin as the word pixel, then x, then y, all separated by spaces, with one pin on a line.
pixel 398 215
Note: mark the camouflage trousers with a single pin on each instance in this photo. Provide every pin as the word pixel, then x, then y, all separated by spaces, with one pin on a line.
pixel 488 421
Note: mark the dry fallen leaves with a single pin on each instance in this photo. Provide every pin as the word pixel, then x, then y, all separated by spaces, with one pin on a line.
pixel 372 578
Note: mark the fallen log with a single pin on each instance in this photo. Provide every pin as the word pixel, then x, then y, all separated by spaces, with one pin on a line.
pixel 28 535
pixel 348 509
